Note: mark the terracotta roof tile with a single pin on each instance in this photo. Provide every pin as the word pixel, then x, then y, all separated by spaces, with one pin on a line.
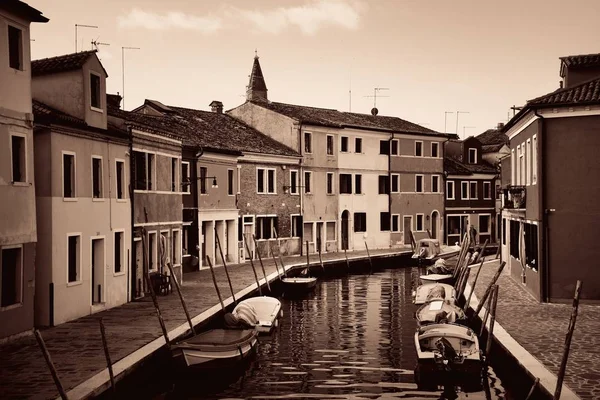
pixel 493 137
pixel 64 63
pixel 582 60
pixel 584 93
pixel 455 167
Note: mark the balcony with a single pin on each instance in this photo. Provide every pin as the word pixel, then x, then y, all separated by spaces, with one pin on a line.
pixel 513 197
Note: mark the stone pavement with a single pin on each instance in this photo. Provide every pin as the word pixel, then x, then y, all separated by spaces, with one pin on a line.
pixel 541 328
pixel 76 347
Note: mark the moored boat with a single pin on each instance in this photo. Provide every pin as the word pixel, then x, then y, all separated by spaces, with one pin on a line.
pixel 437 278
pixel 298 285
pixel 216 348
pixel 428 250
pixel 433 291
pixel 440 311
pixel 268 311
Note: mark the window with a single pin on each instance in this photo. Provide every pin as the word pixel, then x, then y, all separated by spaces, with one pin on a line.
pixel 435 183
pixel 357 184
pixel 360 222
pixel 68 175
pixel 344 144
pixel 293 182
pixel 296 225
pixel 484 224
pixel 472 156
pixel 265 184
pixel 152 251
pixel 330 183
pixel 307 181
pixel 384 184
pixel 185 176
pixel 74 258
pixel 95 99
pixel 15 48
pixel 239 178
pixel 395 183
pixel 395 223
pixel 435 149
pixel 450 190
pixel 473 190
pixel 345 184
pixel 519 164
pixel 513 169
pixel 120 172
pixel 514 238
pixel 329 145
pixel 487 190
pixel 144 170
pixel 384 147
pixel 97 177
pixel 118 252
pixel 266 227
pixel 420 226
pixel 418 149
pixel 307 142
pixel 528 161
pixel 534 161
pixel 523 166
pixel 174 180
pixel 419 184
pixel 531 245
pixel 18 154
pixel 384 221
pixel 395 149
pixel 358 145
pixel 504 231
pixel 203 175
pixel 11 276
pixel 464 190
pixel 230 182
pixel 175 248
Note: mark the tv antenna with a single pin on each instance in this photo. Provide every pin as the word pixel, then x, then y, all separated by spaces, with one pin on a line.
pixel 375 111
pixel 96 43
pixel 81 26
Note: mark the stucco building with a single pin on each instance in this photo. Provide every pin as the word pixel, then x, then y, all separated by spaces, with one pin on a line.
pixel 18 228
pixel 83 204
pixel 551 214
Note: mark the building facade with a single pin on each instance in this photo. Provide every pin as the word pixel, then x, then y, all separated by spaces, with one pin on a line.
pixel 18 230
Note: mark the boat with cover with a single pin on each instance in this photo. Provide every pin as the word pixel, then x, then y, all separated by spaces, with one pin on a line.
pixel 440 311
pixel 450 353
pixel 433 291
pixel 216 348
pixel 428 250
pixel 268 311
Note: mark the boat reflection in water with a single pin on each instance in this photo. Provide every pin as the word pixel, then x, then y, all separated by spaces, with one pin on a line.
pixel 352 337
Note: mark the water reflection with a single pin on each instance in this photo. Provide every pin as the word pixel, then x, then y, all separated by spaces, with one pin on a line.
pixel 352 338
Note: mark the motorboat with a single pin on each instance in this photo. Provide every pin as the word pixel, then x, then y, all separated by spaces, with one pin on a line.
pixel 440 311
pixel 448 352
pixel 433 291
pixel 268 311
pixel 216 348
pixel 428 250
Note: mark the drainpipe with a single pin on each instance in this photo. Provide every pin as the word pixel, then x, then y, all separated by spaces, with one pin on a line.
pixel 301 179
pixel 390 186
pixel 132 264
pixel 546 230
pixel 444 194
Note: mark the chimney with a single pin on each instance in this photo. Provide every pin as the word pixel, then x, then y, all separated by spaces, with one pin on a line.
pixel 216 107
pixel 500 125
pixel 560 84
pixel 114 100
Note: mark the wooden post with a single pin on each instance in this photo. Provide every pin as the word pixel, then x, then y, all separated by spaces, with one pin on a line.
pixel 486 314
pixel 488 347
pixel 535 384
pixel 481 252
pixel 569 336
pixel 212 271
pixel 369 255
pixel 46 354
pixel 321 260
pixel 460 270
pixel 254 269
pixel 463 283
pixel 429 233
pixel 413 244
pixel 225 267
pixel 185 309
pixel 284 273
pixel 473 287
pixel 107 355
pixel 487 292
pixel 307 256
pixel 260 258
pixel 255 276
pixel 347 262
pixel 498 250
pixel 275 262
pixel 163 327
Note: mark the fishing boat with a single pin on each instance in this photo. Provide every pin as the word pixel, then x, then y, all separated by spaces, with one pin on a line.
pixel 216 348
pixel 440 311
pixel 450 353
pixel 268 311
pixel 433 291
pixel 428 250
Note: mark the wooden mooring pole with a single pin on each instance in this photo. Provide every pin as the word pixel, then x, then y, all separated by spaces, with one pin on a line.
pixel 568 337
pixel 490 338
pixel 307 256
pixel 321 260
pixel 163 327
pixel 212 272
pixel 486 314
pixel 347 262
pixel 263 269
pixel 284 273
pixel 57 382
pixel 178 288
pixel 480 255
pixel 533 387
pixel 468 302
pixel 488 290
pixel 260 257
pixel 107 356
pixel 225 267
pixel 369 256
pixel 255 275
pixel 275 262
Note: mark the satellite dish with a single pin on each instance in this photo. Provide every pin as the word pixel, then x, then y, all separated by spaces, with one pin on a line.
pixel 374 111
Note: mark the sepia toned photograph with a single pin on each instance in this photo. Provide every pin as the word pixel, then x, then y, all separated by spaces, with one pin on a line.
pixel 299 199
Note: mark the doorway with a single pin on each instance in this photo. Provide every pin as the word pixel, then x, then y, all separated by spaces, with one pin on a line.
pixel 97 259
pixel 345 231
pixel 138 271
pixel 248 231
pixel 319 236
pixel 434 224
pixel 407 221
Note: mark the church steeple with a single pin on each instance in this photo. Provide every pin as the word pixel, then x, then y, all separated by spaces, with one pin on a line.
pixel 257 89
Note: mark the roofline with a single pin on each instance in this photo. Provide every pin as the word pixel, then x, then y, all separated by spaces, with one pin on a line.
pixel 94 52
pixel 212 149
pixel 24 10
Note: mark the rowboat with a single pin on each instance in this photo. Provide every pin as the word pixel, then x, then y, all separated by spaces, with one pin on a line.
pixel 437 278
pixel 268 311
pixel 298 285
pixel 448 353
pixel 216 348
pixel 433 291
pixel 438 311
pixel 428 250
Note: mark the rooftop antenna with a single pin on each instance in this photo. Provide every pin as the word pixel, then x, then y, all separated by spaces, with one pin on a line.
pixel 123 69
pixel 515 109
pixel 464 130
pixel 82 26
pixel 375 111
pixel 457 115
pixel 96 43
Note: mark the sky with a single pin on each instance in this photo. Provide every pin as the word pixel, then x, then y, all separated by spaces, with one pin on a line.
pixel 434 57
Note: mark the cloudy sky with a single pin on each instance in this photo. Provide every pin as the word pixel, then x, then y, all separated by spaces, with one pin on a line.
pixel 476 56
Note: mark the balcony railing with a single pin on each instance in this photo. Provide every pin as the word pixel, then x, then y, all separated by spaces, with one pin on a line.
pixel 513 197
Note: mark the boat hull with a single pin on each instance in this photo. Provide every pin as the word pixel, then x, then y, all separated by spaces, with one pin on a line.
pixel 437 278
pixel 298 285
pixel 268 311
pixel 425 292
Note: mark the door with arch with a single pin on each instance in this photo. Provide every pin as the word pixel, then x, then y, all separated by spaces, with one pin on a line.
pixel 435 224
pixel 345 229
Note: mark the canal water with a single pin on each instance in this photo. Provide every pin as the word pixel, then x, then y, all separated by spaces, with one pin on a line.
pixel 352 338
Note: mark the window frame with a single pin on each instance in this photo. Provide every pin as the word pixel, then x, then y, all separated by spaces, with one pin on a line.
pixel 175 174
pixel 20 288
pixel 186 185
pixel 385 189
pixel 92 107
pixel 434 177
pixel 114 269
pixel 397 217
pixel 73 178
pixel 489 191
pixel 239 178
pixel 259 225
pixel 25 170
pixel 448 184
pixel 471 197
pixel 176 247
pixel 329 140
pixel 298 217
pixel 308 143
pixel 417 222
pixel 359 186
pixel 123 182
pixel 422 183
pixel 265 174
pixel 395 177
pixel 354 219
pixel 358 140
pixel 79 260
pixel 294 183
pixel 463 192
pixel 21 47
pixel 230 182
pixel 422 153
pixel 308 187
pixel 474 155
pixel 342 178
pixel 347 140
pixel 437 149
pixel 383 219
pixel 528 163
pixel 513 172
pixel 153 258
pixel 489 230
pixel 101 178
pixel 329 183
pixel 202 177
pixel 383 144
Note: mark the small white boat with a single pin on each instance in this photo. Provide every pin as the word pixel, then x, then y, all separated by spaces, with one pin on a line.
pixel 298 285
pixel 433 291
pixel 217 348
pixel 268 311
pixel 437 278
pixel 448 349
pixel 438 311
pixel 429 250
